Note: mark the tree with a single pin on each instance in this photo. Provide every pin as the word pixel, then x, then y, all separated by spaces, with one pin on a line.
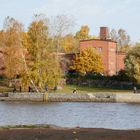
pixel 114 35
pixel 59 28
pixel 39 50
pixel 83 33
pixel 11 44
pixel 122 39
pixel 25 38
pixel 61 25
pixel 88 61
pixel 1 38
pixel 14 52
pixel 132 63
pixel 69 44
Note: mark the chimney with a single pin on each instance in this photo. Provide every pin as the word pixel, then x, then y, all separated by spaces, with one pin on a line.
pixel 104 33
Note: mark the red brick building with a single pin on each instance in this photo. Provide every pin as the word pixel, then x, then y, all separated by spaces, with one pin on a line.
pixel 113 61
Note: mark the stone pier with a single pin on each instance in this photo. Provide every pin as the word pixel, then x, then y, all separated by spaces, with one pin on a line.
pixel 71 97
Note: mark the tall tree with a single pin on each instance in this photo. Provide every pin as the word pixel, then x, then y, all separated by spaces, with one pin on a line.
pixel 114 35
pixel 38 51
pixel 88 61
pixel 11 43
pixel 44 66
pixel 122 39
pixel 132 63
pixel 60 26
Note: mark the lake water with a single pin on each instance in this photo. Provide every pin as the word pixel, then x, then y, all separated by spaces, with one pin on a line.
pixel 94 115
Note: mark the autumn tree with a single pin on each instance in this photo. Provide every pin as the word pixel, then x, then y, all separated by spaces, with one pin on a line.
pixel 24 39
pixel 39 51
pixel 132 63
pixel 11 46
pixel 122 39
pixel 1 38
pixel 83 33
pixel 69 44
pixel 88 61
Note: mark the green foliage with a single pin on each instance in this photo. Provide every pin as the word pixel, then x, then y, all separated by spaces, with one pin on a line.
pixel 88 61
pixel 132 63
pixel 121 76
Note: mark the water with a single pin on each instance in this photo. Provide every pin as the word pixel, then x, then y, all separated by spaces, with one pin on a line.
pixel 93 115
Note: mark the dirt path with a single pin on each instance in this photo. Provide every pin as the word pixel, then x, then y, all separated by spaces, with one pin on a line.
pixel 68 134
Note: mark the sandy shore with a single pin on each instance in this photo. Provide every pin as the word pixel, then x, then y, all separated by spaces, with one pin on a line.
pixel 68 134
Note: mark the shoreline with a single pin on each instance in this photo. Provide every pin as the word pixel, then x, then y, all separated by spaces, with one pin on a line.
pixel 73 97
pixel 59 133
pixel 52 126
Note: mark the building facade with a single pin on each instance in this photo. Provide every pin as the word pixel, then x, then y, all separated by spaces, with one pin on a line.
pixel 113 61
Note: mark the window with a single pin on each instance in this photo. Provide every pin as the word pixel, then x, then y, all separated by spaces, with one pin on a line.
pixel 100 49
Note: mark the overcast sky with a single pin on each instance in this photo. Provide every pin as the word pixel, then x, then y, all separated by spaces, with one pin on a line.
pixel 94 13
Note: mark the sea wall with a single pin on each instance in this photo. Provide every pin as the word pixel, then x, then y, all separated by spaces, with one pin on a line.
pixel 128 98
pixel 26 96
pixel 61 97
pixel 67 97
pixel 87 97
pixel 71 97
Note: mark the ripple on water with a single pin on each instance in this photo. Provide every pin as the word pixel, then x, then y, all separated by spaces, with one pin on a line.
pixel 94 115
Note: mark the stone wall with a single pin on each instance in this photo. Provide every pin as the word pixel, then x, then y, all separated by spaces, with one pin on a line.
pixel 87 97
pixel 128 98
pixel 77 97
pixel 61 97
pixel 26 96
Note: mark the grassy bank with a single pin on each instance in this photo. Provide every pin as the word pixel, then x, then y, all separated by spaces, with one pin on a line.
pixel 82 89
pixel 68 89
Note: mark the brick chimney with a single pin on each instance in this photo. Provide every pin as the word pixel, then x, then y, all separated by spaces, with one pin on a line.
pixel 104 33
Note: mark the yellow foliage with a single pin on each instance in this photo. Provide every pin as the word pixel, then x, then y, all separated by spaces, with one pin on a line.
pixel 11 42
pixel 83 33
pixel 25 38
pixel 70 44
pixel 89 60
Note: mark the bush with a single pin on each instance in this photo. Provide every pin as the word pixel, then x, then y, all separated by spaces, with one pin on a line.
pixel 97 76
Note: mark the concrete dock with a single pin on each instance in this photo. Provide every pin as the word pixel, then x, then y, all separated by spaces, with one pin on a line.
pixel 74 97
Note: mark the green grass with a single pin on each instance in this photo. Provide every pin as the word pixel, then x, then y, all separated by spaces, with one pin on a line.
pixel 82 89
pixel 68 89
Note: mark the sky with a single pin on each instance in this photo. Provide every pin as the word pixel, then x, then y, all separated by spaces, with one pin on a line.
pixel 115 14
